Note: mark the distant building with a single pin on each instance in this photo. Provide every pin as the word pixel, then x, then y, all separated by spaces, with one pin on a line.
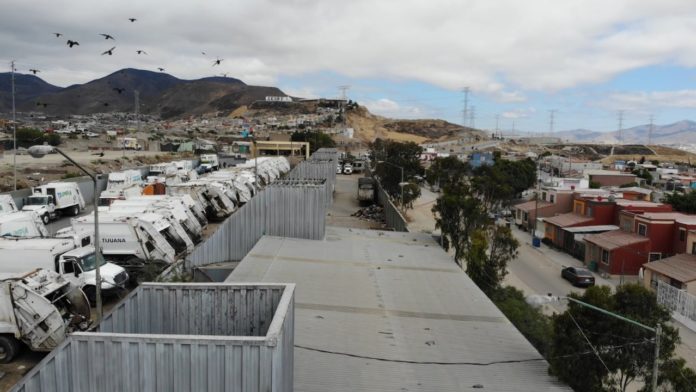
pixel 479 159
pixel 610 177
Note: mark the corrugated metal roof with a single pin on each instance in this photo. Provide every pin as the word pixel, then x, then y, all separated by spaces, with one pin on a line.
pixel 531 205
pixel 569 219
pixel 615 239
pixel 589 229
pixel 385 311
pixel 681 267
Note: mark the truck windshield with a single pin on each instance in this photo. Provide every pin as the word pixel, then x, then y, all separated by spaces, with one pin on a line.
pixel 37 200
pixel 89 262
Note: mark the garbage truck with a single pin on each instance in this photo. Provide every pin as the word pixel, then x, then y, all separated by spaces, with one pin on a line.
pixel 22 224
pixel 7 204
pixel 38 309
pixel 75 263
pixel 54 199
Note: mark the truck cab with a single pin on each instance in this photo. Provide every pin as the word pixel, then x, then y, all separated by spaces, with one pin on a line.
pixel 52 199
pixel 210 162
pixel 43 206
pixel 79 266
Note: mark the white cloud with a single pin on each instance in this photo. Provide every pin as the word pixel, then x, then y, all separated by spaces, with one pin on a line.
pixel 519 113
pixel 498 48
pixel 643 100
pixel 388 108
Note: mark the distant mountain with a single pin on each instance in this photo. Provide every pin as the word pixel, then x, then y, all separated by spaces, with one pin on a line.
pixel 159 93
pixel 27 87
pixel 679 132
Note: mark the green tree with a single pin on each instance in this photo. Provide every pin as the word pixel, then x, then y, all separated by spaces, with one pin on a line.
pixel 316 139
pixel 645 174
pixel 502 182
pixel 447 171
pixel 530 321
pixel 458 214
pixel 674 376
pixel 682 202
pixel 388 157
pixel 625 349
pixel 490 251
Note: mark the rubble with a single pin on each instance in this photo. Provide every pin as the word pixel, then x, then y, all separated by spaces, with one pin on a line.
pixel 372 212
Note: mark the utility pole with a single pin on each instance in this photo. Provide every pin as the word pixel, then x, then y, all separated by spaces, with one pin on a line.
pixel 621 118
pixel 552 115
pixel 14 125
pixel 344 98
pixel 465 112
pixel 650 130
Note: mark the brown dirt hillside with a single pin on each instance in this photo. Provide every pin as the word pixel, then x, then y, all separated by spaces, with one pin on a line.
pixel 369 126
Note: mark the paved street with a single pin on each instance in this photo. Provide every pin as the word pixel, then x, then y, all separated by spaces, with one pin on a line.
pixel 538 271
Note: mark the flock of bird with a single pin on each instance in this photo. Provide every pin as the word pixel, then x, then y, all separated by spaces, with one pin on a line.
pixel 110 52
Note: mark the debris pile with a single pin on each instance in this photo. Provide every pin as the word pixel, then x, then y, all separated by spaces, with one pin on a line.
pixel 372 212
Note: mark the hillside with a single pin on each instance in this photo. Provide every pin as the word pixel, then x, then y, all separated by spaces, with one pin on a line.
pixel 27 87
pixel 679 132
pixel 160 94
pixel 369 126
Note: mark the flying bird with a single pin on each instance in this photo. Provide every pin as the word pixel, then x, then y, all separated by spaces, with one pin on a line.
pixel 132 19
pixel 203 53
pixel 58 35
pixel 34 71
pixel 161 69
pixel 119 89
pixel 141 52
pixel 72 43
pixel 217 62
pixel 109 52
pixel 107 36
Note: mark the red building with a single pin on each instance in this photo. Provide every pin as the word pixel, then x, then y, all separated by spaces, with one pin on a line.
pixel 617 252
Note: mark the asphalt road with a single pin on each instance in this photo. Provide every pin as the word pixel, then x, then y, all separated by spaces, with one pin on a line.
pixel 64 222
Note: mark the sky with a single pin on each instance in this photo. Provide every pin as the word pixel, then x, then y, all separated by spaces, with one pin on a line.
pixel 586 60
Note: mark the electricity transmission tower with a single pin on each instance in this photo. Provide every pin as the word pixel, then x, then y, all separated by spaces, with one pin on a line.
pixel 621 118
pixel 650 129
pixel 465 111
pixel 552 118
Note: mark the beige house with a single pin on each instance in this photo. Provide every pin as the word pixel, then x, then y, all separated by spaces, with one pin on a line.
pixel 678 271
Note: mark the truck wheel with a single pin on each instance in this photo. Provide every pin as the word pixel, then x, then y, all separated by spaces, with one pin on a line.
pixel 8 349
pixel 45 218
pixel 91 293
pixel 76 210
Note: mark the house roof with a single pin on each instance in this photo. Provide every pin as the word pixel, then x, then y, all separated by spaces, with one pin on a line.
pixel 531 205
pixel 615 239
pixel 675 216
pixel 636 203
pixel 377 311
pixel 636 189
pixel 681 267
pixel 590 229
pixel 608 173
pixel 569 219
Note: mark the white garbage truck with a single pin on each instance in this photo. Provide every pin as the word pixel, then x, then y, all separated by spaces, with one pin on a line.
pixel 210 162
pixel 22 224
pixel 143 244
pixel 62 255
pixel 7 204
pixel 55 199
pixel 38 309
pixel 171 207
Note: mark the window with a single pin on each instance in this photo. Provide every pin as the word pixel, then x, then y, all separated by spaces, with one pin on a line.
pixel 589 211
pixel 693 248
pixel 552 198
pixel 525 216
pixel 642 229
pixel 682 235
pixel 543 196
pixel 605 256
pixel 655 256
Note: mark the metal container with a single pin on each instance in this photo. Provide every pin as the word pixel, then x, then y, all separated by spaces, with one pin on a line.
pixel 180 337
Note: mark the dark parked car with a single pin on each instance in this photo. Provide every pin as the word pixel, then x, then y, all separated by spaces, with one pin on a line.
pixel 578 276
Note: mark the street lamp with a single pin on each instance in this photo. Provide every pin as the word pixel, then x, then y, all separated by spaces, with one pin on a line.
pixel 40 152
pixel 537 300
pixel 401 184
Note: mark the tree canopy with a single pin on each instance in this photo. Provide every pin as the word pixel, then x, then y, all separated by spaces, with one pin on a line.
pixel 316 139
pixel 626 350
pixel 388 157
pixel 447 171
pixel 27 137
pixel 682 202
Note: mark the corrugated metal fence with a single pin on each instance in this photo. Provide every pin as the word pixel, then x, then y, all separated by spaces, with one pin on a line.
pixel 294 207
pixel 679 302
pixel 216 343
pixel 392 215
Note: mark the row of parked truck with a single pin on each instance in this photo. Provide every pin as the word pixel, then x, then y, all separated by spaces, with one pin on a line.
pixel 140 234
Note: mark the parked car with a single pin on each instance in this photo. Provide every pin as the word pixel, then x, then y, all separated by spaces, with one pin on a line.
pixel 347 168
pixel 578 276
pixel 339 168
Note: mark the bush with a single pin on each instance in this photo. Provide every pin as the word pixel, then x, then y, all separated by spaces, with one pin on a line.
pixel 70 175
pixel 533 324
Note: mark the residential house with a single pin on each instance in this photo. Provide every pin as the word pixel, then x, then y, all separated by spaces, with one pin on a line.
pixel 616 252
pixel 610 177
pixel 552 201
pixel 479 159
pixel 678 271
